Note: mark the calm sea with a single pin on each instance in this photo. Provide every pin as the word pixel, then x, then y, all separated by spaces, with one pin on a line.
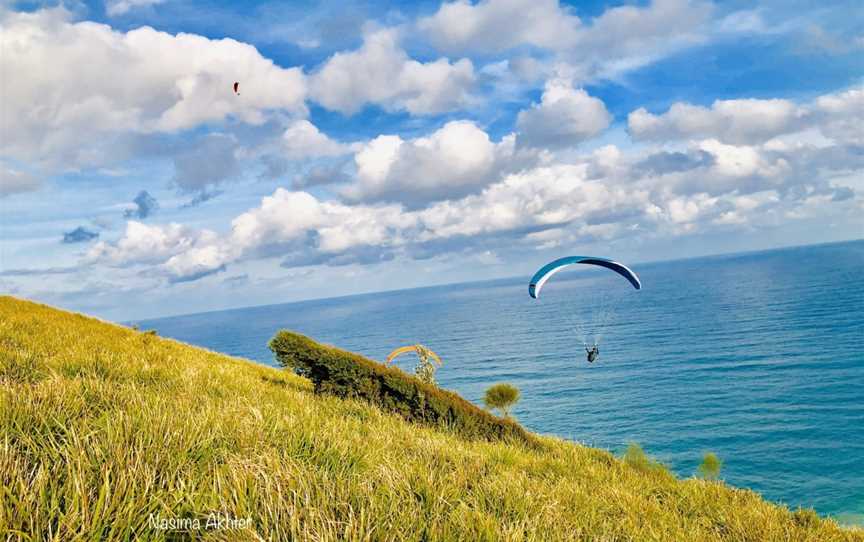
pixel 757 357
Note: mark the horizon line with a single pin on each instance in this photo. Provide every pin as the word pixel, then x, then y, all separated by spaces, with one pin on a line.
pixel 512 277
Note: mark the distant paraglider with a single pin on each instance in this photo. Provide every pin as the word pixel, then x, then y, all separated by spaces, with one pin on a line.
pixel 602 315
pixel 237 88
pixel 419 348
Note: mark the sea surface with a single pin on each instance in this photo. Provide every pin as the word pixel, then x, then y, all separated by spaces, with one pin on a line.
pixel 758 357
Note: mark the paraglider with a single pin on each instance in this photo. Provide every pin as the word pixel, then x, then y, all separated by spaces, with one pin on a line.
pixel 425 369
pixel 237 88
pixel 546 272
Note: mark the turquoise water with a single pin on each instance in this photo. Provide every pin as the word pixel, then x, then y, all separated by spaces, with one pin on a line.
pixel 758 357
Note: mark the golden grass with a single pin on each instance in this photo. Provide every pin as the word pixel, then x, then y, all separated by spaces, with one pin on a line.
pixel 104 429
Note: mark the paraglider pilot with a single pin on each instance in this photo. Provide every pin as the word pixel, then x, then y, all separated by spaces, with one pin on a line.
pixel 592 352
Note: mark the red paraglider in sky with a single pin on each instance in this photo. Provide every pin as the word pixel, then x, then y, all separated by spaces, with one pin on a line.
pixel 236 88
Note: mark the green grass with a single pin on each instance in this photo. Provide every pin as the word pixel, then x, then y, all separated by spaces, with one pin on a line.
pixel 102 426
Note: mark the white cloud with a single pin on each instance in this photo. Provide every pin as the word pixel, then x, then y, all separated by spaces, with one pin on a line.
pixel 714 168
pixel 143 244
pixel 841 115
pixel 733 121
pixel 747 121
pixel 682 209
pixel 537 198
pixel 619 39
pixel 742 161
pixel 195 263
pixel 293 224
pixel 83 81
pixel 302 139
pixel 457 159
pixel 496 25
pixel 381 73
pixel 633 35
pixel 565 116
pixel 605 195
pixel 120 7
pixel 303 229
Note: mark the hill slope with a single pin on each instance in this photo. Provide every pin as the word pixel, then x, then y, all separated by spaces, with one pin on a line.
pixel 109 433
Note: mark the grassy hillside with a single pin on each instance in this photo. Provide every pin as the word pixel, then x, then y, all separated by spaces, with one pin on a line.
pixel 105 432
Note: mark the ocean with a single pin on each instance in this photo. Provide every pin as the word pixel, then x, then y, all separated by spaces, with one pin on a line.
pixel 758 357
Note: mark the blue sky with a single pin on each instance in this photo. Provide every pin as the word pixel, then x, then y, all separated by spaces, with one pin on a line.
pixel 381 145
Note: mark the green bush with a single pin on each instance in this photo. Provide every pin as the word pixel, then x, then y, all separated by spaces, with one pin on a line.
pixel 346 374
pixel 501 396
pixel 636 457
pixel 710 467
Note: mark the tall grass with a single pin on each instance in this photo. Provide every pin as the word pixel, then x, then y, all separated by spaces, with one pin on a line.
pixel 103 428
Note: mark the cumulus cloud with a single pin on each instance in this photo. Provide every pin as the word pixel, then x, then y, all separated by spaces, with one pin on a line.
pixel 630 36
pixel 457 159
pixel 302 139
pixel 304 230
pixel 620 38
pixel 708 167
pixel 496 25
pixel 63 93
pixel 743 147
pixel 733 121
pixel 381 73
pixel 747 121
pixel 143 244
pixel 142 206
pixel 603 196
pixel 79 235
pixel 293 225
pixel 565 116
pixel 13 181
pixel 840 116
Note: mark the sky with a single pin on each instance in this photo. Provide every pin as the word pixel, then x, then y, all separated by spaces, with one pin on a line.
pixel 383 145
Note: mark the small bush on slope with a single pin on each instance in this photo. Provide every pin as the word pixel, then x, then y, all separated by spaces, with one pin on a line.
pixel 346 374
pixel 710 466
pixel 501 396
pixel 120 426
pixel 636 457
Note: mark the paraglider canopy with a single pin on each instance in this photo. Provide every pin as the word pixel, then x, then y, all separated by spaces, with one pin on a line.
pixel 545 272
pixel 236 87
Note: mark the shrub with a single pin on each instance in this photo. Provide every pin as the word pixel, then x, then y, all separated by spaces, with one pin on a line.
pixel 501 396
pixel 710 467
pixel 636 457
pixel 346 374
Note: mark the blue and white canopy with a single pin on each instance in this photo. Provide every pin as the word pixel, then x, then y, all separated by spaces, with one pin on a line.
pixel 545 272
